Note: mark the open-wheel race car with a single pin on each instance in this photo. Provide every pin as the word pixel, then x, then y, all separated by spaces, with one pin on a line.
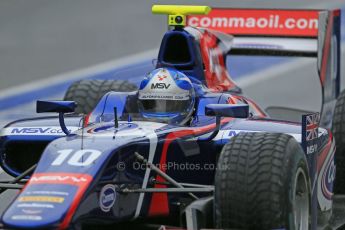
pixel 185 148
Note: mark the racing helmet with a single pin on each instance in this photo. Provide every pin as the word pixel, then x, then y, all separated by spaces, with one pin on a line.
pixel 166 95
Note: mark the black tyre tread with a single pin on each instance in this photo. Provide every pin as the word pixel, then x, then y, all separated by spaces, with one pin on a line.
pixel 338 129
pixel 250 181
pixel 87 93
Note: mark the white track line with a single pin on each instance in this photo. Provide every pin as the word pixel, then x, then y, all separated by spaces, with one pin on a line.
pixel 272 72
pixel 277 70
pixel 77 74
pixel 112 64
pixel 109 65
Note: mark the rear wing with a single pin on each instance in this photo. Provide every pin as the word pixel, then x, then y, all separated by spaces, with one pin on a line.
pixel 297 33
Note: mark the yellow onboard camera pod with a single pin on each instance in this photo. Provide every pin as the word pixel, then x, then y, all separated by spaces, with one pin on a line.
pixel 177 13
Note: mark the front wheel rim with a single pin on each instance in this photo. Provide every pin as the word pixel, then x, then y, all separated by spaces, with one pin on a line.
pixel 301 201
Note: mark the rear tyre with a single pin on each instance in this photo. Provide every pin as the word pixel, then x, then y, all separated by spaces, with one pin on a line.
pixel 262 182
pixel 87 93
pixel 338 130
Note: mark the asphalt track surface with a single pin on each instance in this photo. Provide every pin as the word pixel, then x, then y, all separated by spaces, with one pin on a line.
pixel 41 38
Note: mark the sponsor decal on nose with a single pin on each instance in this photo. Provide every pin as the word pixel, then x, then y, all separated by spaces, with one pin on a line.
pixel 50 199
pixel 107 197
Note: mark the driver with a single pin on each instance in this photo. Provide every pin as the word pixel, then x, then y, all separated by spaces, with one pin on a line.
pixel 166 95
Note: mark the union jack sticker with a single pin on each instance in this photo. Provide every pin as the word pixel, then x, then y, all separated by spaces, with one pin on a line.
pixel 312 125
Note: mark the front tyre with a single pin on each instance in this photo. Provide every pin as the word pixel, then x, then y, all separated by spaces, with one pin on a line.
pixel 262 182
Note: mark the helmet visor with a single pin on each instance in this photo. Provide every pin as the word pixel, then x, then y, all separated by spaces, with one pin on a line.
pixel 165 106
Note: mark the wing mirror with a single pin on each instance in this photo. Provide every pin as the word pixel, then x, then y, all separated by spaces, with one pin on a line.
pixel 227 110
pixel 55 106
pixel 60 107
pixel 224 110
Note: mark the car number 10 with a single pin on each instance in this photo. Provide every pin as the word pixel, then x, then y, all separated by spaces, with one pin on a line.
pixel 83 157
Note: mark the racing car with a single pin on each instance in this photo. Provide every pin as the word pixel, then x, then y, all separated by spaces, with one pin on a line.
pixel 186 146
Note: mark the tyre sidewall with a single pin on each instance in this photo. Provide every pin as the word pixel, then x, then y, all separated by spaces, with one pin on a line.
pixel 296 160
